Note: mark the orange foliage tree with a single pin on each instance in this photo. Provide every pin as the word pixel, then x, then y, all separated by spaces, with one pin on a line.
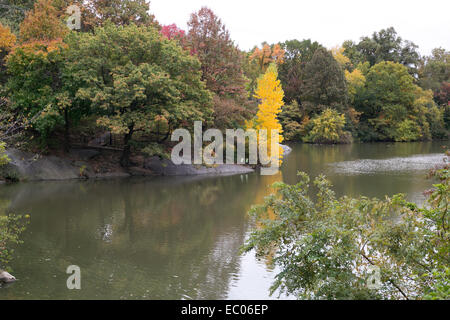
pixel 7 38
pixel 43 23
pixel 7 41
pixel 267 55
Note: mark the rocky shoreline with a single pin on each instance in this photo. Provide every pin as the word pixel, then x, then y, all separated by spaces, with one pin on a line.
pixel 81 164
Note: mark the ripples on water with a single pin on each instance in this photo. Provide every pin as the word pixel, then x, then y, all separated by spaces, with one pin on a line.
pixel 390 166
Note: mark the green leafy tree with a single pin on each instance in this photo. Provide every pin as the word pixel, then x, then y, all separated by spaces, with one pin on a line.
pixel 12 12
pixel 390 103
pixel 293 121
pixel 329 248
pixel 384 45
pixel 120 12
pixel 11 226
pixel 132 77
pixel 95 13
pixel 35 85
pixel 4 159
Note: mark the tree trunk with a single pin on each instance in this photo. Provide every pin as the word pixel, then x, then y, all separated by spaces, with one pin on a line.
pixel 66 131
pixel 125 159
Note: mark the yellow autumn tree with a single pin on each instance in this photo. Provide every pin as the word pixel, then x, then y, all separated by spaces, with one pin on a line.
pixel 7 42
pixel 338 54
pixel 270 95
pixel 7 39
pixel 355 80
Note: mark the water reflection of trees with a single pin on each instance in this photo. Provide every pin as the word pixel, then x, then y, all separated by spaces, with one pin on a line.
pixel 167 238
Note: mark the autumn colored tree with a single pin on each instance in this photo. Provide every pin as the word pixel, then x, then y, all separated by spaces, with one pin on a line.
pixel 338 54
pixel 267 55
pixel 258 60
pixel 172 32
pixel 328 128
pixel 355 81
pixel 442 96
pixel 7 38
pixel 135 80
pixel 35 84
pixel 270 95
pixel 43 23
pixel 221 66
pixel 7 41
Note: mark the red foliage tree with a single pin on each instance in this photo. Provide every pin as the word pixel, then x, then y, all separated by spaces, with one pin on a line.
pixel 221 63
pixel 172 32
pixel 443 95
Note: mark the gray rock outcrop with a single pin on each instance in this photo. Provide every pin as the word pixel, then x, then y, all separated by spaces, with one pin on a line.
pixel 166 167
pixel 5 277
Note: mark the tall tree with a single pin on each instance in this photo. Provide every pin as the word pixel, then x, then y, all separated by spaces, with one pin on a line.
pixel 292 71
pixel 324 84
pixel 221 66
pixel 270 95
pixel 7 39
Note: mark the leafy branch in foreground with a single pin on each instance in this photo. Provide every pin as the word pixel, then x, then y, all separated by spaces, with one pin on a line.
pixel 11 226
pixel 327 247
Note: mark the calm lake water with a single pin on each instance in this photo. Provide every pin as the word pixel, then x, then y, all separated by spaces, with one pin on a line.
pixel 179 238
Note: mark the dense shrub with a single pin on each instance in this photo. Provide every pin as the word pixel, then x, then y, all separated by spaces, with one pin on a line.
pixel 328 128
